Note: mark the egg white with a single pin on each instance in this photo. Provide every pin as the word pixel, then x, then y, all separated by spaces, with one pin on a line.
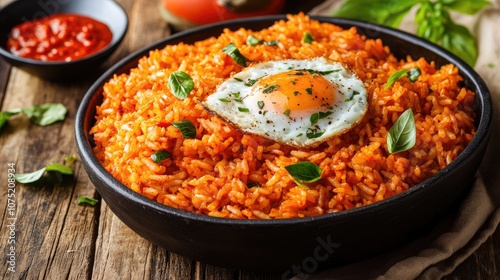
pixel 235 101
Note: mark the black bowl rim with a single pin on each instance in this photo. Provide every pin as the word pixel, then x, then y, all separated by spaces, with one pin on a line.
pixel 115 41
pixel 482 133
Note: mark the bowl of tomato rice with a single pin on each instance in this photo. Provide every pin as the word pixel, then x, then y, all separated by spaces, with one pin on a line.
pixel 225 197
pixel 60 40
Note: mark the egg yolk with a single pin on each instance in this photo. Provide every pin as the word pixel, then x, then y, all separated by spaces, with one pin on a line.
pixel 294 91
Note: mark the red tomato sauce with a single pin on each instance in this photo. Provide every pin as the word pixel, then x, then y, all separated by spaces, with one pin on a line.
pixel 59 37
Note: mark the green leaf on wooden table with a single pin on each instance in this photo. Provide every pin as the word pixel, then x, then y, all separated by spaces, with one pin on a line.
pixel 402 135
pixel 45 114
pixel 34 176
pixel 181 84
pixel 86 200
pixel 4 116
pixel 31 177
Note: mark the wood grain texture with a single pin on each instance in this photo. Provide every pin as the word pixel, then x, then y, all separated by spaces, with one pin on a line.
pixel 57 239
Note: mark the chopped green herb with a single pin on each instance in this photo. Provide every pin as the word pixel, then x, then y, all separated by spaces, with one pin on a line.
pixel 314 118
pixel 253 41
pixel 243 109
pixel 181 84
pixel 270 88
pixel 225 100
pixel 260 104
pixel 253 184
pixel 309 91
pixel 414 74
pixel 490 65
pixel 402 135
pixel 238 79
pixel 186 127
pixel 295 93
pixel 313 133
pixel 160 156
pixel 86 200
pixel 235 54
pixel 352 96
pixel 317 116
pixel 307 38
pixel 304 171
pixel 251 82
pixel 287 112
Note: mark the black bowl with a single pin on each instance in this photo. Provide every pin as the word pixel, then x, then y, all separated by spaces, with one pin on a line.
pixel 106 11
pixel 301 243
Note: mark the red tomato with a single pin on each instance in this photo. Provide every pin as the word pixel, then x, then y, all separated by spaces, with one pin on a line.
pixel 198 12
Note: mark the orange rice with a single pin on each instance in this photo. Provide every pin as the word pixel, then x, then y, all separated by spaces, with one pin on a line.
pixel 210 174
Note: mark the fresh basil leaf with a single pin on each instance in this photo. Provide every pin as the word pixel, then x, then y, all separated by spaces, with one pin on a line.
pixel 181 84
pixel 45 114
pixel 86 200
pixel 160 156
pixel 402 135
pixel 61 168
pixel 235 54
pixel 307 38
pixel 31 177
pixel 304 171
pixel 386 12
pixel 460 41
pixel 187 128
pixel 395 76
pixel 469 7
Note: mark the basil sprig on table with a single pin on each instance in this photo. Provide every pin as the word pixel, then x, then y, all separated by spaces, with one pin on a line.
pixel 43 114
pixel 432 18
pixel 304 172
pixel 402 135
pixel 181 84
pixel 31 177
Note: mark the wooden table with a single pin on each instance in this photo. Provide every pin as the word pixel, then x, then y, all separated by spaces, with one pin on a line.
pixel 58 239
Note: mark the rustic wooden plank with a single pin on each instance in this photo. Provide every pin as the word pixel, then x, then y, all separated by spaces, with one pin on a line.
pixel 54 236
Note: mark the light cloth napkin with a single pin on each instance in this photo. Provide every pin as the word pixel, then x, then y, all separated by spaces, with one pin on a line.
pixel 462 232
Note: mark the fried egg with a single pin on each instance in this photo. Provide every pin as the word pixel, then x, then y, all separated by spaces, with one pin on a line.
pixel 300 103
